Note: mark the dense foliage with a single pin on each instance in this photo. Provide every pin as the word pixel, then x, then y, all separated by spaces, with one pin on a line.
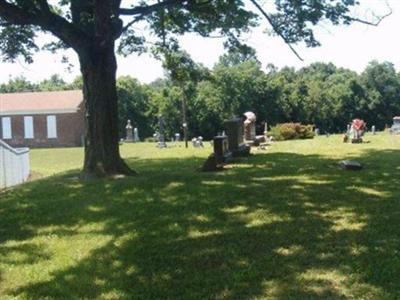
pixel 320 94
pixel 292 131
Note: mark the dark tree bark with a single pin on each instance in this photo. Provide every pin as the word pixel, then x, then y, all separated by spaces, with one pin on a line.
pixel 102 156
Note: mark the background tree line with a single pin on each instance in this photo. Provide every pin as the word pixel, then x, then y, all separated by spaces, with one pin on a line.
pixel 321 94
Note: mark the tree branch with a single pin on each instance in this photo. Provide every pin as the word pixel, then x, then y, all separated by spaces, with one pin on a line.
pixel 142 11
pixel 275 28
pixel 44 6
pixel 45 19
pixel 127 26
pixel 376 23
pixel 145 10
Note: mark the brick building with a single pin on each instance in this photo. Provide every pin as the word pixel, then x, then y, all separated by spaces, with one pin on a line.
pixel 42 119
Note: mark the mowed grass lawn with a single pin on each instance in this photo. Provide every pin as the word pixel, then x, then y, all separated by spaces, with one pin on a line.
pixel 285 223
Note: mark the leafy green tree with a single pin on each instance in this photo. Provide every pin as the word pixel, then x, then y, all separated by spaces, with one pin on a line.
pixel 208 119
pixel 166 100
pixel 284 82
pixel 184 73
pixel 383 93
pixel 134 103
pixel 344 94
pixel 240 86
pixel 238 55
pixel 236 85
pixel 76 84
pixel 18 84
pixel 55 83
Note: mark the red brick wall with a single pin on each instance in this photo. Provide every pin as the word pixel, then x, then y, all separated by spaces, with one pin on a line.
pixel 70 131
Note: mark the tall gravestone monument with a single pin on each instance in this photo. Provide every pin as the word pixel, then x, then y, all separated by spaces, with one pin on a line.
pixel 136 138
pixel 266 129
pixel 250 126
pixel 234 132
pixel 129 132
pixel 161 136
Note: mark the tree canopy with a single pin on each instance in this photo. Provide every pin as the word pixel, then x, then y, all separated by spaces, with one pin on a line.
pixel 320 94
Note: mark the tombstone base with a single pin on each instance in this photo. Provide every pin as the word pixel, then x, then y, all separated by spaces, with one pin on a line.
pixel 161 145
pixel 261 138
pixel 395 130
pixel 248 142
pixel 357 141
pixel 211 165
pixel 350 165
pixel 242 151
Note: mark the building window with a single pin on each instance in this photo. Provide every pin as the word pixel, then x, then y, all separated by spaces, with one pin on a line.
pixel 6 125
pixel 28 127
pixel 51 127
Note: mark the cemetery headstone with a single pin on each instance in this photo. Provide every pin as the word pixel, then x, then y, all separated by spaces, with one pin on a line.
pixel 350 165
pixel 395 129
pixel 234 132
pixel 265 129
pixel 129 133
pixel 161 135
pixel 136 135
pixel 177 137
pixel 356 131
pixel 220 148
pixel 198 142
pixel 220 155
pixel 210 165
pixel 250 126
pixel 373 129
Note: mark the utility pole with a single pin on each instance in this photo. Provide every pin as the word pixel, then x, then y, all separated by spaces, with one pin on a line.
pixel 184 116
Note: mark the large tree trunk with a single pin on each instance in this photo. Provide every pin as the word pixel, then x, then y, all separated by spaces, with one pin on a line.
pixel 102 157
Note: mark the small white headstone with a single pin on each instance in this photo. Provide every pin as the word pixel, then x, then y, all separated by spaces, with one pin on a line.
pixel 136 135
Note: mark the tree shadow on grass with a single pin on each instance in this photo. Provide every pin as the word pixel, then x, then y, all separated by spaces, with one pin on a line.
pixel 277 225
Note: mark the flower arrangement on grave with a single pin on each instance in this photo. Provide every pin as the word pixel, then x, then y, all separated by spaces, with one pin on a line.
pixel 356 131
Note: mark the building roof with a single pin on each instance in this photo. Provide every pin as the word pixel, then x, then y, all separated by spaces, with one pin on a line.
pixel 40 102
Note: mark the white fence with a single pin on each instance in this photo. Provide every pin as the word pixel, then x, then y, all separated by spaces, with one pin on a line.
pixel 14 165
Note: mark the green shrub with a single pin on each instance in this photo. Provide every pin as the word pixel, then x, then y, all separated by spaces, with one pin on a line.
pixel 291 131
